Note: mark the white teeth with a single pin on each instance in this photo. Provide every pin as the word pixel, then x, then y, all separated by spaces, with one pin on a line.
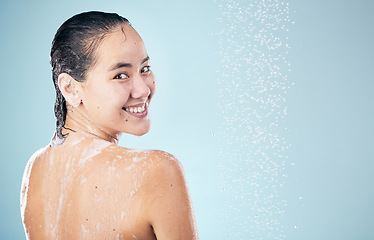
pixel 136 109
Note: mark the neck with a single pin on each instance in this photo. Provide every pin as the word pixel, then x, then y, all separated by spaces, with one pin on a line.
pixel 76 122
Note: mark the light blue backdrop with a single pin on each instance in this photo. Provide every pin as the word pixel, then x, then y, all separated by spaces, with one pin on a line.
pixel 268 105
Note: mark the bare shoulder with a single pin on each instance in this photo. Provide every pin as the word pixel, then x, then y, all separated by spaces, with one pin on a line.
pixel 164 161
pixel 133 185
pixel 156 161
pixel 27 173
pixel 168 202
pixel 164 170
pixel 38 154
pixel 125 167
pixel 168 169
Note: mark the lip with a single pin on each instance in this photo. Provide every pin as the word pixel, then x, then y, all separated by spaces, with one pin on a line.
pixel 141 104
pixel 138 115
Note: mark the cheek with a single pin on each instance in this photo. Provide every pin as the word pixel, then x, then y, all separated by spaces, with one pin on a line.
pixel 119 95
pixel 152 84
pixel 108 97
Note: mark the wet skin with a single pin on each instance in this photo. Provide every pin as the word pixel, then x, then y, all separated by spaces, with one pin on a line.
pixel 90 188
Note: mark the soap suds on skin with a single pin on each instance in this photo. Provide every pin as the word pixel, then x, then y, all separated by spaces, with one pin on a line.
pixel 84 230
pixel 98 226
pixel 59 209
pixel 107 191
pixel 135 163
pixel 123 215
pixel 83 179
pixel 138 159
pixel 94 149
pixel 96 197
pixel 76 140
pixel 25 185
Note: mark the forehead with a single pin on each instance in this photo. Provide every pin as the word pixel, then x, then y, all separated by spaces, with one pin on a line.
pixel 123 44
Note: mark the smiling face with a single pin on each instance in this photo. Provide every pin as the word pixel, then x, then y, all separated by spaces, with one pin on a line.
pixel 119 87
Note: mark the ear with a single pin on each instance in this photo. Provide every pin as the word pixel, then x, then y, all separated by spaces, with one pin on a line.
pixel 68 87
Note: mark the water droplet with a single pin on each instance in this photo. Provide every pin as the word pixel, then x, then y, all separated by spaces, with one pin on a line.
pixel 253 87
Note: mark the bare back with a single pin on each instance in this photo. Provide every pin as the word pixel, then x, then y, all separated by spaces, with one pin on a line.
pixel 88 188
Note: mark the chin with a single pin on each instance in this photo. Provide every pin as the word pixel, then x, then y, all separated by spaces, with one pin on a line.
pixel 139 132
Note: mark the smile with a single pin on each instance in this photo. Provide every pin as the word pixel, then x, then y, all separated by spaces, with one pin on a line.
pixel 137 111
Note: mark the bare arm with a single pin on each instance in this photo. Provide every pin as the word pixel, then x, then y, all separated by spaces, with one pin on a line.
pixel 170 207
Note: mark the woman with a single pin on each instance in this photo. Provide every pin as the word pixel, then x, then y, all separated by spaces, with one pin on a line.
pixel 83 185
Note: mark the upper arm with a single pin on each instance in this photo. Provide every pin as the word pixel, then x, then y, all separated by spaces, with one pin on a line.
pixel 169 203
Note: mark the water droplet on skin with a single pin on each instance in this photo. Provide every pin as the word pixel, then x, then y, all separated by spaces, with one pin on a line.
pixel 96 198
pixel 98 226
pixel 123 215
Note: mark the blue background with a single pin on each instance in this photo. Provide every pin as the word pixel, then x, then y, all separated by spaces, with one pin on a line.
pixel 315 137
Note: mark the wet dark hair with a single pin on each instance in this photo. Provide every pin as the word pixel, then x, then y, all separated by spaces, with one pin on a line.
pixel 73 52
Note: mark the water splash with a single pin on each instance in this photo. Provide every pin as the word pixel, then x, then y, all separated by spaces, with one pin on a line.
pixel 253 84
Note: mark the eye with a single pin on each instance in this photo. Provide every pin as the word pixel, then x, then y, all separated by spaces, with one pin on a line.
pixel 146 69
pixel 121 76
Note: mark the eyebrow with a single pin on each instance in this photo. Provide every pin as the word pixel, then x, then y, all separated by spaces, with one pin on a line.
pixel 129 65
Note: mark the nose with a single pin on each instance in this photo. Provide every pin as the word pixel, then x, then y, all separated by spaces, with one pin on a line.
pixel 140 88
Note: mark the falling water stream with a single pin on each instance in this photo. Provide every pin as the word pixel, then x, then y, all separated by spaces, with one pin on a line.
pixel 253 84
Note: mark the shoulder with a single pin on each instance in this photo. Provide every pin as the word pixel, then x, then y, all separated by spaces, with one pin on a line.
pixel 27 174
pixel 155 160
pixel 32 160
pixel 165 177
pixel 122 173
pixel 167 200
pixel 153 169
pixel 167 166
pixel 164 160
pixel 162 166
pixel 147 165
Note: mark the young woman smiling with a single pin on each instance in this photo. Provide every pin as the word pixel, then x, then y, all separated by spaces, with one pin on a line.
pixel 83 185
